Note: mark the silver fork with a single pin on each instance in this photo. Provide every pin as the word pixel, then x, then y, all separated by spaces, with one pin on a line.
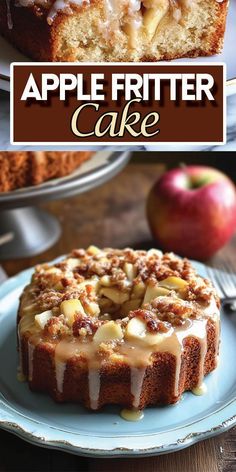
pixel 224 280
pixel 4 238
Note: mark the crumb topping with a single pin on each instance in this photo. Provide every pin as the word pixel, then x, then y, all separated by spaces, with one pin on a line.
pixel 97 294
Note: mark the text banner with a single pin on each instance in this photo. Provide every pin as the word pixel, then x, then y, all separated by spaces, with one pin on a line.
pixel 117 103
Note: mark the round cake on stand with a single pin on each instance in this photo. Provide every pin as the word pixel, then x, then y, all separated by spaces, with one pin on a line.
pixel 30 230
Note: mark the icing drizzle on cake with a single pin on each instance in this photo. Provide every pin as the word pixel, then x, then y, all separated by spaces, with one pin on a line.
pixel 128 16
pixel 136 356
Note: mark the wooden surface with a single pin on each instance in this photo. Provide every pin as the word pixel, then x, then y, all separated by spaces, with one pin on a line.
pixel 113 215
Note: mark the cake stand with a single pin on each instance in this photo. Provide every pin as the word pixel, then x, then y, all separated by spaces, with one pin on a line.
pixel 26 230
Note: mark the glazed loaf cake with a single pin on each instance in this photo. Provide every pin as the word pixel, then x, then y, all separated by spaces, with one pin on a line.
pixel 22 169
pixel 132 328
pixel 114 30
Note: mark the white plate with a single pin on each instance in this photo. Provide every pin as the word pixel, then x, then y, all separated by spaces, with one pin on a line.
pixel 9 54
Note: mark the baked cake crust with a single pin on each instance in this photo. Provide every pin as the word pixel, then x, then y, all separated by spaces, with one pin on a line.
pixel 23 169
pixel 125 327
pixel 123 30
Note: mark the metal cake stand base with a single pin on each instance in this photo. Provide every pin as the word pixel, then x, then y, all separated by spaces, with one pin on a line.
pixel 31 231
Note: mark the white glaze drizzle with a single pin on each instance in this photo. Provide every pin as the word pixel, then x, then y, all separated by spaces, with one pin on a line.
pixel 20 368
pixel 213 312
pixel 131 22
pixel 31 348
pixel 62 5
pixel 201 335
pixel 131 415
pixel 217 340
pixel 174 345
pixel 67 349
pixel 133 6
pixel 203 351
pixel 65 5
pixel 177 14
pixel 63 352
pixel 58 5
pixel 136 377
pixel 39 156
pixel 200 389
pixel 60 368
pixel 138 357
pixel 94 387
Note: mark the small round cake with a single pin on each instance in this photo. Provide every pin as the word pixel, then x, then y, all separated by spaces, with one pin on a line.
pixel 111 326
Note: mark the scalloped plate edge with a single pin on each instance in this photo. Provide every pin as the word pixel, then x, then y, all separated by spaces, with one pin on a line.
pixel 31 431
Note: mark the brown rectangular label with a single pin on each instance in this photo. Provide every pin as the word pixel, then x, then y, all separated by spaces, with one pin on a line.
pixel 117 103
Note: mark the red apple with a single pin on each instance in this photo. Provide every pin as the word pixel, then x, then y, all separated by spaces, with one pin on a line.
pixel 192 211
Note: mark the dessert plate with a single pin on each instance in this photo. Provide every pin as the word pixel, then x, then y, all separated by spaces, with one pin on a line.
pixel 37 419
pixel 9 54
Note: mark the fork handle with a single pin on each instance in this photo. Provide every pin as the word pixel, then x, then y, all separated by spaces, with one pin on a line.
pixel 229 302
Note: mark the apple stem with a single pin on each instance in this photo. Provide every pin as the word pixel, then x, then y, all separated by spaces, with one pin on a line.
pixel 182 165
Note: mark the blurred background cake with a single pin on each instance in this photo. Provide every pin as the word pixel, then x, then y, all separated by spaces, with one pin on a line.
pixel 22 169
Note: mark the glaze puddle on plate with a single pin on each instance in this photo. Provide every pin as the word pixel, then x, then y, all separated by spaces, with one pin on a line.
pixel 201 390
pixel 71 427
pixel 132 415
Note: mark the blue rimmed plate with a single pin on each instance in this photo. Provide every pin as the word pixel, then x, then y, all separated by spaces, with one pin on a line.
pixel 37 419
